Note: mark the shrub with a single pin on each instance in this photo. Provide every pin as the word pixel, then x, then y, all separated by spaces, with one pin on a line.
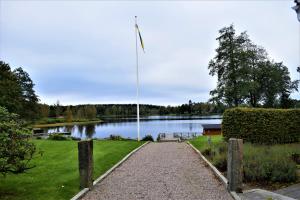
pixel 220 161
pixel 148 138
pixel 265 126
pixel 15 149
pixel 76 138
pixel 115 137
pixel 263 163
pixel 206 152
pixel 57 136
pixel 296 158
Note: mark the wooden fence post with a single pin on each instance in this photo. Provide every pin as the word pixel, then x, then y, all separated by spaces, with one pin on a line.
pixel 85 160
pixel 235 164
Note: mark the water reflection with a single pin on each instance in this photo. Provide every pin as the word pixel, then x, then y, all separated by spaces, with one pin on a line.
pixel 127 129
pixel 90 130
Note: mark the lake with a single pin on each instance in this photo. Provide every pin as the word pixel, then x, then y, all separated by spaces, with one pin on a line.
pixel 127 127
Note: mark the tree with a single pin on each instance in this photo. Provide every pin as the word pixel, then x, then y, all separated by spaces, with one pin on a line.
pixel 44 110
pixel 30 109
pixel 90 111
pixel 58 109
pixel 17 93
pixel 227 66
pixel 10 90
pixel 68 115
pixel 246 75
pixel 15 149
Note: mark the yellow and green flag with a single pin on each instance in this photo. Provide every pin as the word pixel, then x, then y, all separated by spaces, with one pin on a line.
pixel 140 36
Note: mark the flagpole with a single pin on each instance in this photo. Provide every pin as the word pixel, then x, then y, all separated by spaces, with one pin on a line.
pixel 137 83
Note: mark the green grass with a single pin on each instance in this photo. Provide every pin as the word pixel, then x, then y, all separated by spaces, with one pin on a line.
pixel 56 173
pixel 66 124
pixel 263 164
pixel 201 143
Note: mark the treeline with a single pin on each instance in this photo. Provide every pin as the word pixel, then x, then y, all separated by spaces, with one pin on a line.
pixel 247 76
pixel 122 110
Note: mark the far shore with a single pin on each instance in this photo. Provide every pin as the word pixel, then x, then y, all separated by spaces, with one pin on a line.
pixel 65 124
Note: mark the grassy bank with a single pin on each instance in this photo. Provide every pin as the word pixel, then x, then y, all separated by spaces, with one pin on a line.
pixel 56 173
pixel 66 123
pixel 269 166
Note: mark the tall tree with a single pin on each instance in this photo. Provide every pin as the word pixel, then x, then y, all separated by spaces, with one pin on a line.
pixel 17 93
pixel 227 66
pixel 30 109
pixel 10 90
pixel 246 75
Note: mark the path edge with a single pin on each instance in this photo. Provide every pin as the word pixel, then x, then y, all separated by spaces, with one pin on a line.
pixel 215 171
pixel 82 192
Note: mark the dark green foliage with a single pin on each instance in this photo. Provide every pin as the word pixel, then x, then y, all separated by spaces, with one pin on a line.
pixel 29 100
pixel 115 137
pixel 246 75
pixel 10 90
pixel 75 138
pixel 268 164
pixel 16 92
pixel 207 152
pixel 264 126
pixel 262 163
pixel 109 111
pixel 296 158
pixel 57 136
pixel 148 138
pixel 15 149
pixel 220 161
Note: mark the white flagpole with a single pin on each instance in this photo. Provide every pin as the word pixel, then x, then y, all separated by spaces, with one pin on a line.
pixel 137 83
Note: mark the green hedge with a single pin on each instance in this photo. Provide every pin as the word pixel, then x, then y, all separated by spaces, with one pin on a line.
pixel 264 126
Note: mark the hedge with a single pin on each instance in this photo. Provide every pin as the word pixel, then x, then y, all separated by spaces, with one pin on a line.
pixel 264 126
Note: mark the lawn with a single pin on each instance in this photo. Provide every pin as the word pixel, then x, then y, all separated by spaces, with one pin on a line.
pixel 56 173
pixel 270 166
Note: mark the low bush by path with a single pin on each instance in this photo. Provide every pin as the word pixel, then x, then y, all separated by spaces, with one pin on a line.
pixel 263 164
pixel 56 173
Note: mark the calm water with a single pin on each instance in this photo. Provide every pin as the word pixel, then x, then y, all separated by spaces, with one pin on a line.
pixel 127 128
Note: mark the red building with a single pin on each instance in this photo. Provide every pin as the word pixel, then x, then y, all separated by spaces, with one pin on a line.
pixel 212 129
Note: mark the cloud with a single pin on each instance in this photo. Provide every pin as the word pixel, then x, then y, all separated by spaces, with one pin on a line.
pixel 84 52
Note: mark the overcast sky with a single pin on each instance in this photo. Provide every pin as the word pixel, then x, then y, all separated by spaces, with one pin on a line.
pixel 84 52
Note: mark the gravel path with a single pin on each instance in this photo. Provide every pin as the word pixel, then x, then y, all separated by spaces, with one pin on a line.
pixel 161 171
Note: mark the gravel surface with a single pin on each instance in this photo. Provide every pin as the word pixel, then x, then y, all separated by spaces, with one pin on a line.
pixel 161 171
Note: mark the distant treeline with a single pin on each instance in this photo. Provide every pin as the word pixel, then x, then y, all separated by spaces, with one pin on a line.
pixel 120 110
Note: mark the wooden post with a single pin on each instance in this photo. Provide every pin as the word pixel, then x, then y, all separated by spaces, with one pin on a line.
pixel 85 158
pixel 235 164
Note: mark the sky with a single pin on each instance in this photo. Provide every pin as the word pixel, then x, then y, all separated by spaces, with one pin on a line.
pixel 82 52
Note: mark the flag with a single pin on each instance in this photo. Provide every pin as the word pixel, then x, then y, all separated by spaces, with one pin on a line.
pixel 140 36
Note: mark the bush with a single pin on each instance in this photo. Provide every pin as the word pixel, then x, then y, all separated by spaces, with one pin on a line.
pixel 76 138
pixel 57 136
pixel 15 149
pixel 296 158
pixel 266 163
pixel 264 126
pixel 220 162
pixel 115 137
pixel 261 168
pixel 148 138
pixel 207 152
